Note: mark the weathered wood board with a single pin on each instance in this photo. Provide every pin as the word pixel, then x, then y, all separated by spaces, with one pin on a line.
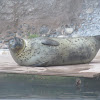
pixel 7 65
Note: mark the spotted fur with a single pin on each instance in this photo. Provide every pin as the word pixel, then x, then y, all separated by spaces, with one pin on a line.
pixel 55 52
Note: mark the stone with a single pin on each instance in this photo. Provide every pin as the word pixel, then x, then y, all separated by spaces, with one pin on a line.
pixel 69 30
pixel 28 27
pixel 61 36
pixel 53 32
pixel 19 34
pixel 58 33
pixel 7 36
pixel 44 29
pixel 89 10
pixel 20 26
pixel 5 47
pixel 12 34
pixel 0 41
pixel 9 32
pixel 33 28
pixel 21 31
pixel 36 16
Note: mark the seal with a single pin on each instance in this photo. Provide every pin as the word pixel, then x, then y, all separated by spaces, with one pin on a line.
pixel 44 51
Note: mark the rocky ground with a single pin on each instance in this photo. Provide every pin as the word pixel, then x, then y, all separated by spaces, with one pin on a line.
pixel 51 18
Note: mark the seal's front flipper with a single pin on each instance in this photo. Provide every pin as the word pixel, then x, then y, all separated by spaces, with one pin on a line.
pixel 50 42
pixel 44 64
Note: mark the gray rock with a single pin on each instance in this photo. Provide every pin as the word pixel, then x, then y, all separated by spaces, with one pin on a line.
pixel 19 34
pixel 6 40
pixel 36 16
pixel 69 30
pixel 5 47
pixel 12 34
pixel 20 26
pixel 58 33
pixel 53 32
pixel 91 14
pixel 33 28
pixel 20 31
pixel 44 29
pixel 0 41
pixel 9 32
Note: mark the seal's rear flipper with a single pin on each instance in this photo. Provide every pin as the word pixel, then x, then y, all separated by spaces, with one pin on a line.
pixel 50 42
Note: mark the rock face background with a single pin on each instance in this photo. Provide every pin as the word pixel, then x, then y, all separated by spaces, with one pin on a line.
pixel 90 16
pixel 52 18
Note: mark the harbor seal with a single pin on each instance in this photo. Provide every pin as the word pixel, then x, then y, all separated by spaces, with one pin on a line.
pixel 45 51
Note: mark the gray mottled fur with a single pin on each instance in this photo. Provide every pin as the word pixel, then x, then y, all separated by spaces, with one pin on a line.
pixel 56 52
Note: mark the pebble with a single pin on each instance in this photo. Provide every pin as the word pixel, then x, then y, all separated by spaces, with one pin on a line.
pixel 44 29
pixel 5 46
pixel 89 10
pixel 62 36
pixel 69 30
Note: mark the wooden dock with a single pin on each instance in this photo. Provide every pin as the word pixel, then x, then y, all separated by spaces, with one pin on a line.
pixel 7 65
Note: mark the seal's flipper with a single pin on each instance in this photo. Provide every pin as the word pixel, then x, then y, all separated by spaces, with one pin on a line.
pixel 50 42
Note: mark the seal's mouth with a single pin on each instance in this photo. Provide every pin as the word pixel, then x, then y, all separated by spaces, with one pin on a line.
pixel 16 44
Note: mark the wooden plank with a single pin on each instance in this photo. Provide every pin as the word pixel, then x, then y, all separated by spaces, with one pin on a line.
pixel 7 65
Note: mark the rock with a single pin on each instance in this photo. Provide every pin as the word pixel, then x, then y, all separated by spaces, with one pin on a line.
pixel 61 36
pixel 33 31
pixel 20 31
pixel 33 28
pixel 58 33
pixel 44 35
pixel 44 29
pixel 19 34
pixel 7 36
pixel 6 40
pixel 20 26
pixel 0 41
pixel 5 47
pixel 25 26
pixel 89 10
pixel 69 30
pixel 28 27
pixel 53 33
pixel 36 16
pixel 9 32
pixel 12 34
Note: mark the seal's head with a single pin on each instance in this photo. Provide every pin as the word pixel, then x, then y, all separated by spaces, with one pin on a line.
pixel 16 44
